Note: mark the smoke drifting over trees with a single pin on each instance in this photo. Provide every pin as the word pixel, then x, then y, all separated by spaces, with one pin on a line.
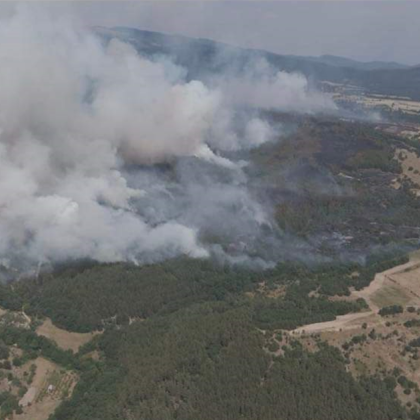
pixel 85 127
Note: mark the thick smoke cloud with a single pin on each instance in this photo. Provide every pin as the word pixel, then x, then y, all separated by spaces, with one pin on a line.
pixel 262 86
pixel 85 129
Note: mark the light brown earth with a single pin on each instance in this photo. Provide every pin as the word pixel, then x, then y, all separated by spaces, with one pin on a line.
pixel 388 349
pixel 398 285
pixel 344 322
pixel 43 367
pixel 65 339
pixel 33 410
pixel 38 411
pixel 353 94
pixel 395 104
pixel 393 284
pixel 38 403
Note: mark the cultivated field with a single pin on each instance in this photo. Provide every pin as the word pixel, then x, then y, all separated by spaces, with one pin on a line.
pixel 355 95
pixel 50 386
pixel 394 104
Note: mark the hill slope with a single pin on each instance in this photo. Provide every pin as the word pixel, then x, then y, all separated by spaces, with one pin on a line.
pixel 203 57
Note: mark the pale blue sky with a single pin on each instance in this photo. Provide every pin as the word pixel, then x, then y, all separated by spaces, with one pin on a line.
pixel 378 30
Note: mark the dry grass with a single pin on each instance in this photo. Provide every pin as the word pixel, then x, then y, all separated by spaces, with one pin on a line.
pixel 341 323
pixel 64 339
pixel 373 101
pixel 410 164
pixel 399 285
pixel 390 295
pixel 395 104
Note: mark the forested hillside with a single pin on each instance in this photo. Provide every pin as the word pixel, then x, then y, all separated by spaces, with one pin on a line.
pixel 208 362
pixel 195 339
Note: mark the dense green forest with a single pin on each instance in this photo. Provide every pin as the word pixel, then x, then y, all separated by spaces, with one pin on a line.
pixel 199 346
pixel 209 362
pixel 92 298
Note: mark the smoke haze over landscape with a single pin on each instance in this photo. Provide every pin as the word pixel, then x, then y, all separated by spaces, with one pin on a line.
pixel 83 124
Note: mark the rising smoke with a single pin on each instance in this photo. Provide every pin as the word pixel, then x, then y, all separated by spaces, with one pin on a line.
pixel 108 155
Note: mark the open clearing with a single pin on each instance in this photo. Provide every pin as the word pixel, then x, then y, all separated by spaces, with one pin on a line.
pixel 371 343
pixel 391 284
pixel 344 322
pixel 64 339
pixel 399 285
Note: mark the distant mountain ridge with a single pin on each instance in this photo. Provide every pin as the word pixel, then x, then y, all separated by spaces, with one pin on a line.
pixel 362 65
pixel 203 58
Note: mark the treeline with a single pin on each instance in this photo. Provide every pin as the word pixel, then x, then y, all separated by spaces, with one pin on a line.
pixel 391 310
pixel 104 295
pixel 91 299
pixel 297 309
pixel 194 349
pixel 332 279
pixel 9 299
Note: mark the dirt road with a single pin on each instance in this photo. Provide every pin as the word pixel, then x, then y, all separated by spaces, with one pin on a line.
pixel 343 322
pixel 354 320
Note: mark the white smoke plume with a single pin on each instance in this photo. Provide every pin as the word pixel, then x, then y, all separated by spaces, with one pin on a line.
pixel 282 91
pixel 75 114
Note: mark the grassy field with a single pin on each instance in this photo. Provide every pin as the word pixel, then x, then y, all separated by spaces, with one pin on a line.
pixel 64 339
pixel 390 295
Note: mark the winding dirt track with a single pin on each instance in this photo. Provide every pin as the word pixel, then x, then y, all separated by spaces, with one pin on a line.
pixel 354 320
pixel 343 322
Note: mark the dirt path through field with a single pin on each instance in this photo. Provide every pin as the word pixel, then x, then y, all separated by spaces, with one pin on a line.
pixel 43 367
pixel 380 279
pixel 343 322
pixel 354 320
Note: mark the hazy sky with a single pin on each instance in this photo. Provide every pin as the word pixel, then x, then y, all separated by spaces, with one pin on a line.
pixel 378 30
